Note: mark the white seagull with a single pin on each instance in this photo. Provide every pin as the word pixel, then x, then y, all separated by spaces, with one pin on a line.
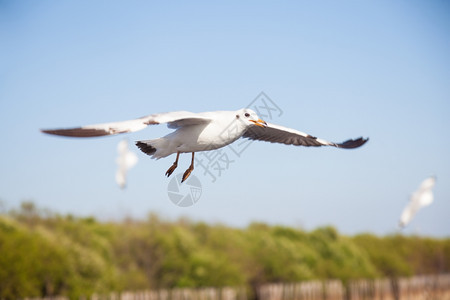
pixel 125 161
pixel 420 198
pixel 204 131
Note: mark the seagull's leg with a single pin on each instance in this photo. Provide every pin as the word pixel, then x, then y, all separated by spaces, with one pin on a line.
pixel 174 166
pixel 189 170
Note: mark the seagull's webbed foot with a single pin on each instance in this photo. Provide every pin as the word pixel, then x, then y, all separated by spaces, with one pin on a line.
pixel 187 173
pixel 189 170
pixel 174 166
pixel 171 169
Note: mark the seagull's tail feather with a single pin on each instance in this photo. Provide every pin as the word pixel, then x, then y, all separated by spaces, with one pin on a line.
pixel 156 148
pixel 146 147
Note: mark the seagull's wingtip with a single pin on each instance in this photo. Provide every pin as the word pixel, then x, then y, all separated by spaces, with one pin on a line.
pixel 50 131
pixel 401 225
pixel 351 144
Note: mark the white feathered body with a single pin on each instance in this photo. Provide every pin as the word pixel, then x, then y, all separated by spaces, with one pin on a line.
pixel 223 130
pixel 419 199
pixel 125 161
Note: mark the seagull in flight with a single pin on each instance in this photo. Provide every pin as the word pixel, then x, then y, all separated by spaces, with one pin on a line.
pixel 125 161
pixel 194 132
pixel 420 198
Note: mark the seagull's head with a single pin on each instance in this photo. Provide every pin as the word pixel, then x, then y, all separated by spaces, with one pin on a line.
pixel 250 118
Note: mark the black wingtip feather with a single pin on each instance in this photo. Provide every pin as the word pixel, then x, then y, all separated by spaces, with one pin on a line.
pixel 76 132
pixel 351 144
pixel 146 148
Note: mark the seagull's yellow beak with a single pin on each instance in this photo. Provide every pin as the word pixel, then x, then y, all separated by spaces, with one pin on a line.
pixel 259 123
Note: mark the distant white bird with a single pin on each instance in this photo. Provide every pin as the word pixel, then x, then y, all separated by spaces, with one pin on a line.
pixel 420 198
pixel 125 161
pixel 202 132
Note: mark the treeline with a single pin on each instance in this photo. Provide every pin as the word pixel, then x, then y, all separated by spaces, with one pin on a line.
pixel 44 254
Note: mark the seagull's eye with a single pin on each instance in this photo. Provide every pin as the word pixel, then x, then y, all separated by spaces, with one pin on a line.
pixel 247 115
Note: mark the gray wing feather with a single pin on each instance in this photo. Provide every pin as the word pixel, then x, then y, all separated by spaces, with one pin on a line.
pixel 279 134
pixel 173 119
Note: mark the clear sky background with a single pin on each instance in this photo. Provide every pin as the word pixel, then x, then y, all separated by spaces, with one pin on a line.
pixel 336 69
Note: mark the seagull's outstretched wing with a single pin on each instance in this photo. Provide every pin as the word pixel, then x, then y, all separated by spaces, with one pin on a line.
pixel 173 119
pixel 420 198
pixel 125 161
pixel 280 134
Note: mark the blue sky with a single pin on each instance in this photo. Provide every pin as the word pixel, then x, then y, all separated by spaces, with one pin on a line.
pixel 337 70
